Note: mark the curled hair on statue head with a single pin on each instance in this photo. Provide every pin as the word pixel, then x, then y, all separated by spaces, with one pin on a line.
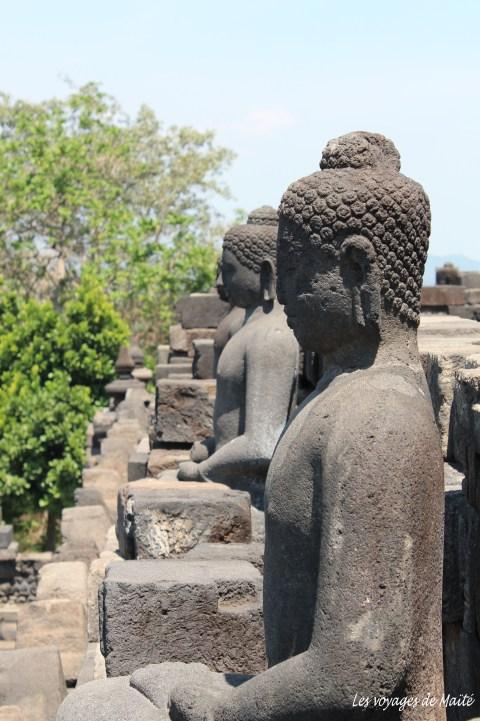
pixel 255 241
pixel 361 191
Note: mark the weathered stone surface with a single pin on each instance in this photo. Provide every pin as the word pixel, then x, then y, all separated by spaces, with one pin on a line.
pixel 137 466
pixel 158 518
pixel 6 535
pixel 470 278
pixel 107 700
pixel 472 296
pixel 446 345
pixel 181 339
pixel 184 410
pixel 163 352
pixel 142 374
pixel 63 580
pixel 155 683
pixel 118 389
pixel 84 527
pixel 11 713
pixel 442 296
pixel 96 574
pixel 88 497
pixel 58 622
pixel 183 611
pixel 8 621
pixel 166 370
pixel 103 420
pixel 93 668
pixel 32 679
pixel 464 440
pixel 461 601
pixel 251 552
pixel 164 459
pixel 137 406
pixel 201 310
pixel 203 358
pixel 105 481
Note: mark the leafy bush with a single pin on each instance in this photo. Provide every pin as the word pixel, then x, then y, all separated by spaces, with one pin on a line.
pixel 53 368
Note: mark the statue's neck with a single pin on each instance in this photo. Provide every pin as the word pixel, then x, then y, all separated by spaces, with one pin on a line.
pixel 395 345
pixel 260 308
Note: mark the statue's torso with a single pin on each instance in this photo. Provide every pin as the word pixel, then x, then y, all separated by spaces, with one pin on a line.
pixel 230 401
pixel 296 498
pixel 252 339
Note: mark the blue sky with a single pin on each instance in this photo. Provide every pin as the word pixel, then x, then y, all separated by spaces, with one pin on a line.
pixel 276 80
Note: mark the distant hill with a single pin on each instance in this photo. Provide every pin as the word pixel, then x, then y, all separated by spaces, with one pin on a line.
pixel 435 261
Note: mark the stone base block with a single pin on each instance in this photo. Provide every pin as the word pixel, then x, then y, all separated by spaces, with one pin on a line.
pixel 84 529
pixel 166 370
pixel 96 574
pixel 158 518
pixel 137 466
pixel 203 358
pixel 181 339
pixel 59 622
pixel 184 410
pixel 251 552
pixel 461 603
pixel 442 295
pixel 93 668
pixel 32 679
pixel 176 610
pixel 6 535
pixel 201 310
pixel 63 580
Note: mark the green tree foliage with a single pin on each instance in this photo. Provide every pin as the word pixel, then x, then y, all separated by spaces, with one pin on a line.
pixel 54 364
pixel 84 187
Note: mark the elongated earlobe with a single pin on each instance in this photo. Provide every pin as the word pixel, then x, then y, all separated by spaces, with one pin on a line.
pixel 267 280
pixel 362 275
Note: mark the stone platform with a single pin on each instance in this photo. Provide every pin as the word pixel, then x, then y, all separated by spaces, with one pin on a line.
pixel 180 610
pixel 158 518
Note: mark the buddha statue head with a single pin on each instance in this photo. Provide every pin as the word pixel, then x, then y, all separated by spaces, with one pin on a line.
pixel 352 246
pixel 248 267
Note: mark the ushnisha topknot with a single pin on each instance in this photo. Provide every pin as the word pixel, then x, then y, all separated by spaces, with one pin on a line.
pixel 265 215
pixel 255 241
pixel 360 150
pixel 361 191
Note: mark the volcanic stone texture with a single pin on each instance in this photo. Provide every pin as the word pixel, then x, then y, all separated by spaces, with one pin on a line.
pixel 158 518
pixel 201 310
pixel 56 622
pixel 32 680
pixel 184 410
pixel 179 610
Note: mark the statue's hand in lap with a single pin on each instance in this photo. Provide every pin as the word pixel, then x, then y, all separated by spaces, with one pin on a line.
pixel 201 450
pixel 195 703
pixel 189 471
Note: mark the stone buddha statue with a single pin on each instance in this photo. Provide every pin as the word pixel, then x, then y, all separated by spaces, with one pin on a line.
pixel 228 326
pixel 256 373
pixel 354 493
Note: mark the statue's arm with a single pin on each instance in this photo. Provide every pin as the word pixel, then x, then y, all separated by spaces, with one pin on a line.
pixel 270 380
